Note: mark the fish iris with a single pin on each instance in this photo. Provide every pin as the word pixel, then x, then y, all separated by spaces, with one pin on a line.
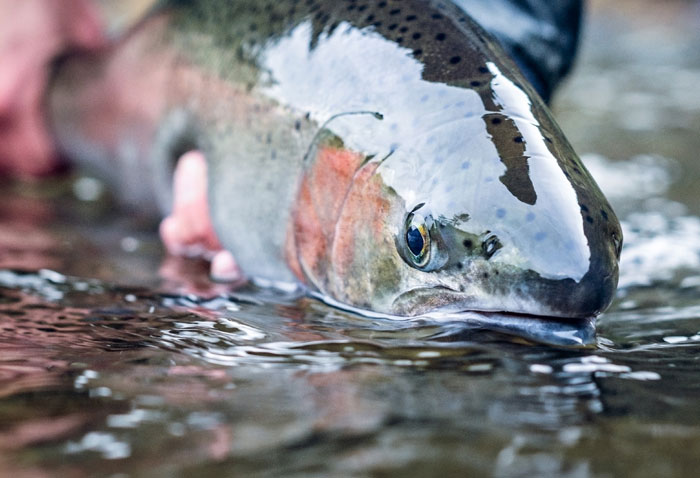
pixel 417 240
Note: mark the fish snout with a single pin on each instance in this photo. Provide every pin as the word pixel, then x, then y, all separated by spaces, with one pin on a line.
pixel 589 297
pixel 592 294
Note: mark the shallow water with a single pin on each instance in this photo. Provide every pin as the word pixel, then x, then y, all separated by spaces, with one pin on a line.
pixel 166 374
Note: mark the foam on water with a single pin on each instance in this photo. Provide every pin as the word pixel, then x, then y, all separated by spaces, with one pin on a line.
pixel 661 242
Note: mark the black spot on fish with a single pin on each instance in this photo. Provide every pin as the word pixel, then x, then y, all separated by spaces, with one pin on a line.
pixel 381 4
pixel 370 18
pixel 436 16
pixel 604 214
pixel 393 26
pixel 483 69
pixel 411 18
pixel 395 11
pixel 417 52
pixel 589 219
pixel 362 8
pixel 485 275
pixel 416 35
pixel 403 29
pixel 399 40
pixel 297 125
pixel 459 265
pixel 468 243
pixel 440 37
pixel 584 208
pixel 475 83
pixel 511 151
pixel 455 59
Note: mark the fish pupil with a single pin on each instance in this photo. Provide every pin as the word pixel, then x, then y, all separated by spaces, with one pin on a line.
pixel 415 241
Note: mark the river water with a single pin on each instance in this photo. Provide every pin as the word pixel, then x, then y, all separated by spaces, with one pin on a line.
pixel 124 366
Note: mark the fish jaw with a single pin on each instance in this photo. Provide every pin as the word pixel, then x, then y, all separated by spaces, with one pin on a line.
pixel 517 294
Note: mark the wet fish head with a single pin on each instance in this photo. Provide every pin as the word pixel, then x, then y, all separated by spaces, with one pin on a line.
pixel 465 197
pixel 501 215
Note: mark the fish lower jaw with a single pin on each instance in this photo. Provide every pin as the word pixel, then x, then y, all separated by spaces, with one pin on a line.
pixel 469 313
pixel 456 314
pixel 444 302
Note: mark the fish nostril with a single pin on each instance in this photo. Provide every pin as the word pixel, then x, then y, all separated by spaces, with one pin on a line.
pixel 490 246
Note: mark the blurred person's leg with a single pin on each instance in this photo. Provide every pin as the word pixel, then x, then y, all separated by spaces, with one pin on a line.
pixel 32 34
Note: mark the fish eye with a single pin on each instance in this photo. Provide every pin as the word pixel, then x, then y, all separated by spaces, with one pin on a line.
pixel 490 246
pixel 417 240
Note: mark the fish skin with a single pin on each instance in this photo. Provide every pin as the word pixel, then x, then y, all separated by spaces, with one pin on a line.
pixel 327 128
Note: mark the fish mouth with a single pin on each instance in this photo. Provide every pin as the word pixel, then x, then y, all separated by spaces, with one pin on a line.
pixel 543 329
pixel 511 315
pixel 549 329
pixel 443 302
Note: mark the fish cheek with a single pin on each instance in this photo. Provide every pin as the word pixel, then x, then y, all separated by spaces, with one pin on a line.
pixel 319 202
pixel 366 266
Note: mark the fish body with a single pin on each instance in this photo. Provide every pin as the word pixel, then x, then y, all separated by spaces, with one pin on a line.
pixel 388 155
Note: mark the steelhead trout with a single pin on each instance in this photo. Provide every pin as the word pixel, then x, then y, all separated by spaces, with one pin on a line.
pixel 386 154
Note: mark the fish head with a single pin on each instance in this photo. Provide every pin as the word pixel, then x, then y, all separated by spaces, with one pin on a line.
pixel 463 205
